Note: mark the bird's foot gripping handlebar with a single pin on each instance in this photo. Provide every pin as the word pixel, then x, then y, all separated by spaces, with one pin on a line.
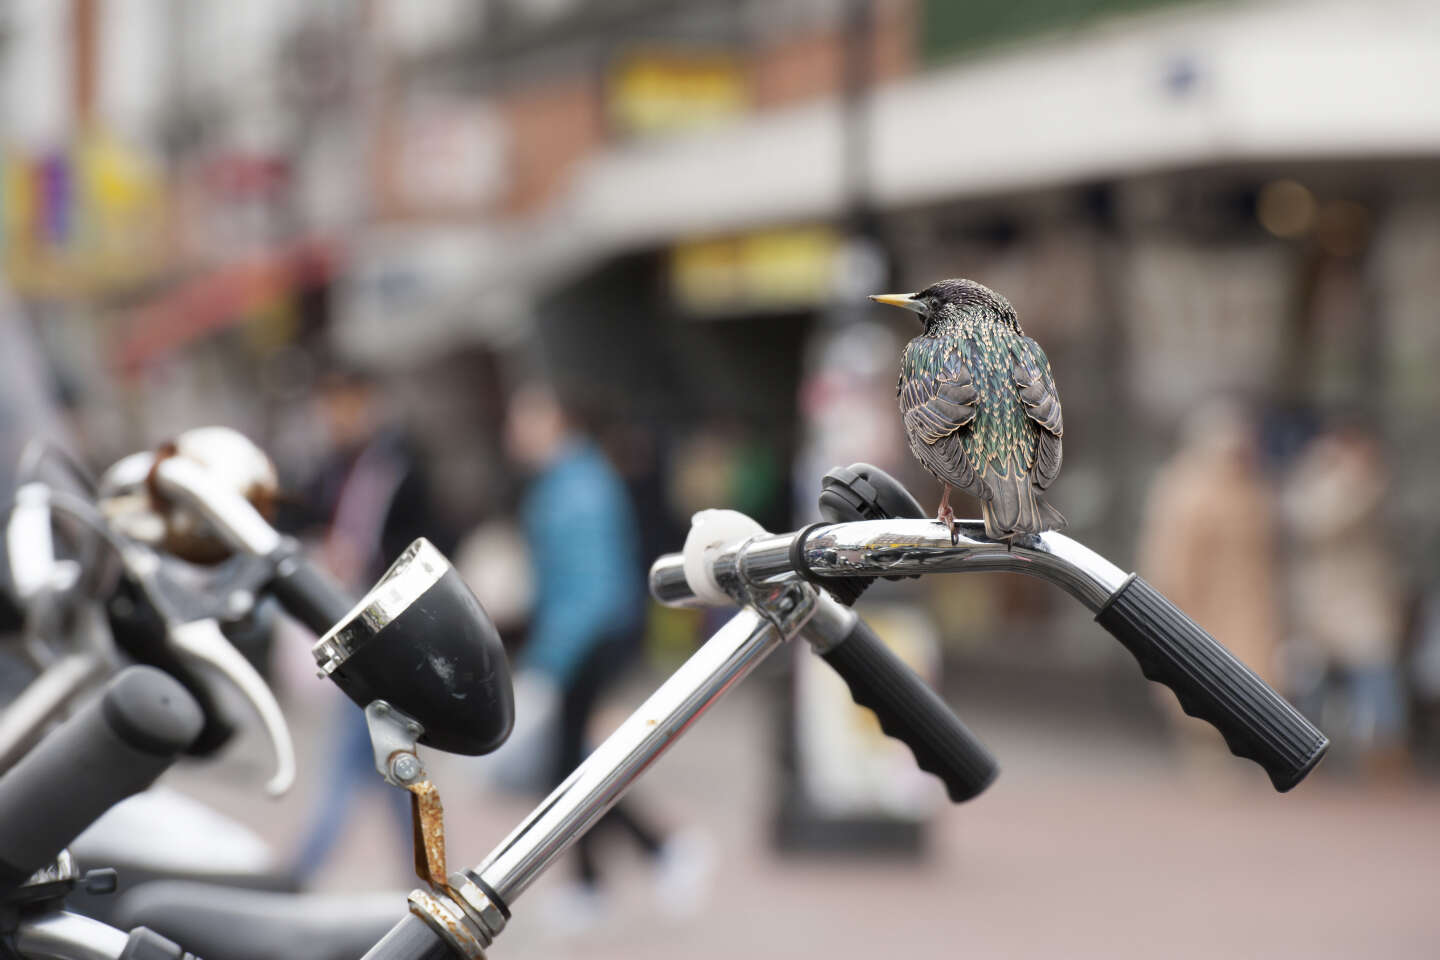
pixel 725 559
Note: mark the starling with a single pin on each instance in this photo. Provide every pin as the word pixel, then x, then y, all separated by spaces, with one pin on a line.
pixel 980 407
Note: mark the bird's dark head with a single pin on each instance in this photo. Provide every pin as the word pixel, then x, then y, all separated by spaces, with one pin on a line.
pixel 953 300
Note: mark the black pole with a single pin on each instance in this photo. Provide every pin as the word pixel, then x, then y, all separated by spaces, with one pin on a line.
pixel 859 75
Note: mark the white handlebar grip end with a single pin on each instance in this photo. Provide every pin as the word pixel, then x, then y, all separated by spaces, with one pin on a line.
pixel 711 531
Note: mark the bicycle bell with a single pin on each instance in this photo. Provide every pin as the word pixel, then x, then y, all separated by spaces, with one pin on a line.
pixel 129 499
pixel 421 642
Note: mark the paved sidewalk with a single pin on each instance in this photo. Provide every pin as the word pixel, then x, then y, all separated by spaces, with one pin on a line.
pixel 1091 844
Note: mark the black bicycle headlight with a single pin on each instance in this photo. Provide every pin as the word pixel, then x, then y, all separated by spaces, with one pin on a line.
pixel 420 641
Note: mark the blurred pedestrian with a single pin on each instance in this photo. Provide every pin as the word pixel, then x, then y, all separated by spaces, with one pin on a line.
pixel 1208 543
pixel 368 499
pixel 586 626
pixel 1346 595
pixel 370 494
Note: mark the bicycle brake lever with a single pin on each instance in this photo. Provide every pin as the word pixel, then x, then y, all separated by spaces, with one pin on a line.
pixel 203 641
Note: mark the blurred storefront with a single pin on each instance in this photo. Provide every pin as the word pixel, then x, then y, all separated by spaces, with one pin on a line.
pixel 673 208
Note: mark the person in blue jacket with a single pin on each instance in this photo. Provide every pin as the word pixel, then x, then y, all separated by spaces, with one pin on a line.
pixel 588 615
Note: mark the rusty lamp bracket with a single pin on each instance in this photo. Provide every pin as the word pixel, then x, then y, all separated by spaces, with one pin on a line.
pixel 392 738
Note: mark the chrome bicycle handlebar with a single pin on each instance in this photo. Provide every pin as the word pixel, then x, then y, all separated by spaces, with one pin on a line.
pixel 68 936
pixel 727 559
pixel 883 548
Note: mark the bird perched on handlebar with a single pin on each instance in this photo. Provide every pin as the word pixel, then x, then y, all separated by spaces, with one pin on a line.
pixel 980 406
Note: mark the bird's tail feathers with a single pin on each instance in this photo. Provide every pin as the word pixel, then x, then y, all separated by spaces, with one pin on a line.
pixel 1015 508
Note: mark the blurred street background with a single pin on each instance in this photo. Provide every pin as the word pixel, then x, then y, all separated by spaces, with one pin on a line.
pixel 363 231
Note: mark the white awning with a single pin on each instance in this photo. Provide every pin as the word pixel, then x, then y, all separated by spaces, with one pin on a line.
pixel 1196 86
pixel 1288 81
pixel 779 167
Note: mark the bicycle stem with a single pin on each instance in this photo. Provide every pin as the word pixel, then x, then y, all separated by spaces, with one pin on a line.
pixel 595 786
pixel 485 894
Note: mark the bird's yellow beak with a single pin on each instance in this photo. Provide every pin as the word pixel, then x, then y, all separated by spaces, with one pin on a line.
pixel 905 301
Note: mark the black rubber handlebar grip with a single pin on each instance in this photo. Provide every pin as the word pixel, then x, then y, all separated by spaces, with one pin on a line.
pixel 309 594
pixel 115 747
pixel 912 713
pixel 1212 684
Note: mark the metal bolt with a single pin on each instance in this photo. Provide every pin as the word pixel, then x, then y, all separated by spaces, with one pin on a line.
pixel 405 767
pixel 381 708
pixel 489 920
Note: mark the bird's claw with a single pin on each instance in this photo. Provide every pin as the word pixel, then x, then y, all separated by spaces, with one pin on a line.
pixel 947 517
